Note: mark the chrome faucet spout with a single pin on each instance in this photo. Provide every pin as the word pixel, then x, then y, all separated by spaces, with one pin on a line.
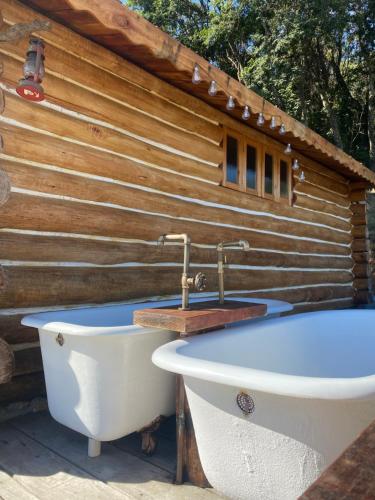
pixel 221 260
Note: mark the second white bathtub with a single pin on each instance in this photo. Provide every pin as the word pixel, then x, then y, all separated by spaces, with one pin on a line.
pixel 306 383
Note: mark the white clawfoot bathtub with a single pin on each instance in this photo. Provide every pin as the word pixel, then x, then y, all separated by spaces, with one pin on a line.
pixel 311 378
pixel 97 365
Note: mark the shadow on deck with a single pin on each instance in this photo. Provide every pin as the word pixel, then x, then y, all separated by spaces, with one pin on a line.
pixel 41 459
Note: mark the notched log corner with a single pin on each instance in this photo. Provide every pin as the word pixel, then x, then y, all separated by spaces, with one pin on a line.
pixel 149 440
pixel 4 186
pixel 15 33
pixel 7 363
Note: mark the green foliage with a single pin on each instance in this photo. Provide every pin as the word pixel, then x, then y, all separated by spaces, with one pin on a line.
pixel 313 58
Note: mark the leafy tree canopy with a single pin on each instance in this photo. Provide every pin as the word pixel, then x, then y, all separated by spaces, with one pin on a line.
pixel 315 59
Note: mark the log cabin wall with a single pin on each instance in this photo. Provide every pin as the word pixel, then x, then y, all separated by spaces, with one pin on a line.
pixel 113 158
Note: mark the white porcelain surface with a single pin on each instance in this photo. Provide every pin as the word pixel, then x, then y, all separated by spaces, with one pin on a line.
pixel 101 381
pixel 312 379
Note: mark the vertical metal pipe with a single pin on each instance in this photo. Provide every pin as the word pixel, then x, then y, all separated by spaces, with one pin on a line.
pixel 180 428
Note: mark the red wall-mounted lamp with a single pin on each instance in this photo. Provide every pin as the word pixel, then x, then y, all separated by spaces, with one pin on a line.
pixel 29 86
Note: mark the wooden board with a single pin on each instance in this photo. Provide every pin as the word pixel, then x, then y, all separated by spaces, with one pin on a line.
pixel 201 316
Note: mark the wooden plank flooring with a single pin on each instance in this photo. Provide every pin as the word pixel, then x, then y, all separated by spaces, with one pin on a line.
pixel 41 459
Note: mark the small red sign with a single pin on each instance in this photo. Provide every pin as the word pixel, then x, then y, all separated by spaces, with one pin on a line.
pixel 30 92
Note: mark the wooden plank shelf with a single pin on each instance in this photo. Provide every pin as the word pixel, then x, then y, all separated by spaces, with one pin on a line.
pixel 201 316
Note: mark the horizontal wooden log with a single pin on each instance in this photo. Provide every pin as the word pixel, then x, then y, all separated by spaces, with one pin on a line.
pixel 309 294
pixel 26 177
pixel 85 75
pixel 303 201
pixel 30 286
pixel 316 191
pixel 4 187
pixel 25 144
pixel 81 100
pixel 47 214
pixel 22 143
pixel 28 361
pixel 13 332
pixel 6 362
pixel 40 248
pixel 323 182
pixel 324 306
pixel 23 388
pixel 92 134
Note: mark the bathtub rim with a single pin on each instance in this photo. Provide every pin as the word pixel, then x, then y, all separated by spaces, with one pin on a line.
pixel 170 357
pixel 43 321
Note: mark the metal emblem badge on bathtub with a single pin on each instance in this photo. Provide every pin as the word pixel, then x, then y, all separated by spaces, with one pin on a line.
pixel 245 403
pixel 60 339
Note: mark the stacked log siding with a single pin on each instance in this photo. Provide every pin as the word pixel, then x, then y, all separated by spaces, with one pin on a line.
pixel 115 157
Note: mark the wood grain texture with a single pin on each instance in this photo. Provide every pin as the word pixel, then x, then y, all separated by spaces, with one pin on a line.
pixel 24 144
pixel 24 176
pixel 32 286
pixel 200 316
pixel 351 475
pixel 74 249
pixel 49 214
pixel 4 187
pixel 7 362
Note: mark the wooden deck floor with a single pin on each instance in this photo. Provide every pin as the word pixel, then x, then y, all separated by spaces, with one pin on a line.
pixel 41 459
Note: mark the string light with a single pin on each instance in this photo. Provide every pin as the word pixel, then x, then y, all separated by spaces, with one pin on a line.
pixel 273 123
pixel 246 113
pixel 288 149
pixel 295 164
pixel 212 88
pixel 230 103
pixel 260 120
pixel 196 78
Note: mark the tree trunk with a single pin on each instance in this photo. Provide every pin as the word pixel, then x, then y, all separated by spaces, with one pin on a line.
pixel 333 121
pixel 371 117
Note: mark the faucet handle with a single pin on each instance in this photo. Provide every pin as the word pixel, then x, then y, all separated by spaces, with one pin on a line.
pixel 200 282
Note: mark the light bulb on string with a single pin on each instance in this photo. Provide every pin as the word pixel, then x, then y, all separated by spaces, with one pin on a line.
pixel 260 120
pixel 212 90
pixel 196 78
pixel 246 113
pixel 295 164
pixel 301 176
pixel 230 103
pixel 282 129
pixel 273 123
pixel 288 149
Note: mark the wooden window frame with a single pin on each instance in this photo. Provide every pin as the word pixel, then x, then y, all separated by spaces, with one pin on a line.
pixel 288 199
pixel 261 151
pixel 237 186
pixel 258 168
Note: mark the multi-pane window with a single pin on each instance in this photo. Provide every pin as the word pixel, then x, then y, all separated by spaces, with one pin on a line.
pixel 256 169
